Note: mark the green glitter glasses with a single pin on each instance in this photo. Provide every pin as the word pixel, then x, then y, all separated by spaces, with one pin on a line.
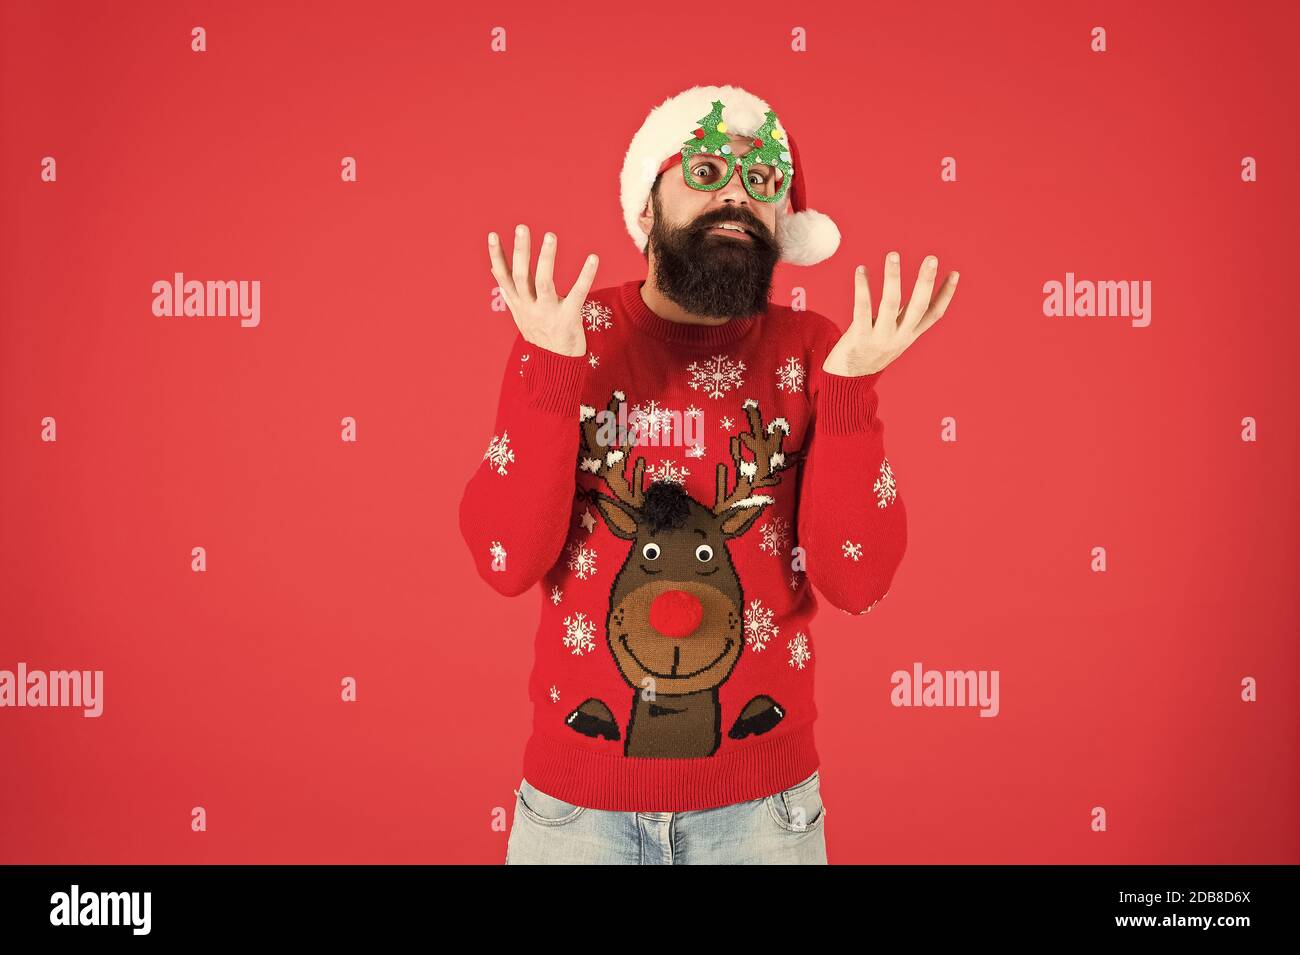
pixel 708 171
pixel 708 161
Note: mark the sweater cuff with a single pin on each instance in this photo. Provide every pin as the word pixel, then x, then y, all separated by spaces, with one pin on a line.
pixel 846 404
pixel 553 382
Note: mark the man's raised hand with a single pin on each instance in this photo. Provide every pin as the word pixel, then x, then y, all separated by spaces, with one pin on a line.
pixel 544 319
pixel 868 345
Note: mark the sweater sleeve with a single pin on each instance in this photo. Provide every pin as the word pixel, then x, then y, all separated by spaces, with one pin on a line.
pixel 852 525
pixel 516 508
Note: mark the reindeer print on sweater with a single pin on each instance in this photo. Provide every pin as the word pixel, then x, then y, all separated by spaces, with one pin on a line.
pixel 675 625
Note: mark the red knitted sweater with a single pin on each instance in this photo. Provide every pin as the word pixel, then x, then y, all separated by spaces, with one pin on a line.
pixel 675 491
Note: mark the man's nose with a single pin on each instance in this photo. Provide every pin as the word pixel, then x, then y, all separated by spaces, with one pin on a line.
pixel 735 187
pixel 675 613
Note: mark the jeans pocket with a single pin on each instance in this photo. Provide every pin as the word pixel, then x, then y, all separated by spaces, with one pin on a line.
pixel 544 809
pixel 799 808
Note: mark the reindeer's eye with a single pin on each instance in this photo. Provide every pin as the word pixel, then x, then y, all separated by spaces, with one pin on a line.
pixel 704 553
pixel 650 551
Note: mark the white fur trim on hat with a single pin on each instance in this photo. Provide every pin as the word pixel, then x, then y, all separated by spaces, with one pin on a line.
pixel 805 237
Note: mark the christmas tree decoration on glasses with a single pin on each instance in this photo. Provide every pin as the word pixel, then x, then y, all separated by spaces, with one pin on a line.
pixel 708 160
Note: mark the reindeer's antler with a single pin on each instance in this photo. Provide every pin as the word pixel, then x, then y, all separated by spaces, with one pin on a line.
pixel 764 471
pixel 610 462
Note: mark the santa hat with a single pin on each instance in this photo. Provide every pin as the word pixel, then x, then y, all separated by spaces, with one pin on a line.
pixel 805 236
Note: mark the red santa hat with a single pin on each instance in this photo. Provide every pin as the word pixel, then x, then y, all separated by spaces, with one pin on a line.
pixel 805 236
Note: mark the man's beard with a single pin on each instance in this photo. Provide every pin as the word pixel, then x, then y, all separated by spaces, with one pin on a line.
pixel 714 275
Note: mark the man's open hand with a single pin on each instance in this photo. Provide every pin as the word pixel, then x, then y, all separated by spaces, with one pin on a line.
pixel 868 345
pixel 544 319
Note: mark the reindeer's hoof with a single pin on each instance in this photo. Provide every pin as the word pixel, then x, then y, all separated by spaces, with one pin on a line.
pixel 593 718
pixel 759 715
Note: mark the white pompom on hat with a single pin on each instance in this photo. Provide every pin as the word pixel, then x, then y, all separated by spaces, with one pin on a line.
pixel 805 236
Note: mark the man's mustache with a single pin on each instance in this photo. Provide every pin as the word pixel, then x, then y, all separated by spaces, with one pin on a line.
pixel 750 224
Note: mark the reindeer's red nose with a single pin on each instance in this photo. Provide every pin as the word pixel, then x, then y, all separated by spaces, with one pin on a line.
pixel 675 613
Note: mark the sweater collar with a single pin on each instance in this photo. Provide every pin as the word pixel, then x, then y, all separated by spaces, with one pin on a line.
pixel 683 333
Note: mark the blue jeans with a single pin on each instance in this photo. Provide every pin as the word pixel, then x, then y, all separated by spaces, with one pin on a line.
pixel 785 828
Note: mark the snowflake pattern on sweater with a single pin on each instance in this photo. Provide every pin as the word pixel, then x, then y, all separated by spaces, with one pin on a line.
pixel 676 521
pixel 717 375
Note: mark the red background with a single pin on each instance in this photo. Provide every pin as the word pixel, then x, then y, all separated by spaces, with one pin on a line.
pixel 328 559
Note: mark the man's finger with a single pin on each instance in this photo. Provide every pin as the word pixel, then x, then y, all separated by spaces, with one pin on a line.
pixel 891 296
pixel 523 281
pixel 497 260
pixel 578 294
pixel 545 282
pixel 861 296
pixel 921 292
pixel 940 304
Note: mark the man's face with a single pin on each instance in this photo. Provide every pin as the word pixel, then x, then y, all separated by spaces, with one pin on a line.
pixel 704 269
